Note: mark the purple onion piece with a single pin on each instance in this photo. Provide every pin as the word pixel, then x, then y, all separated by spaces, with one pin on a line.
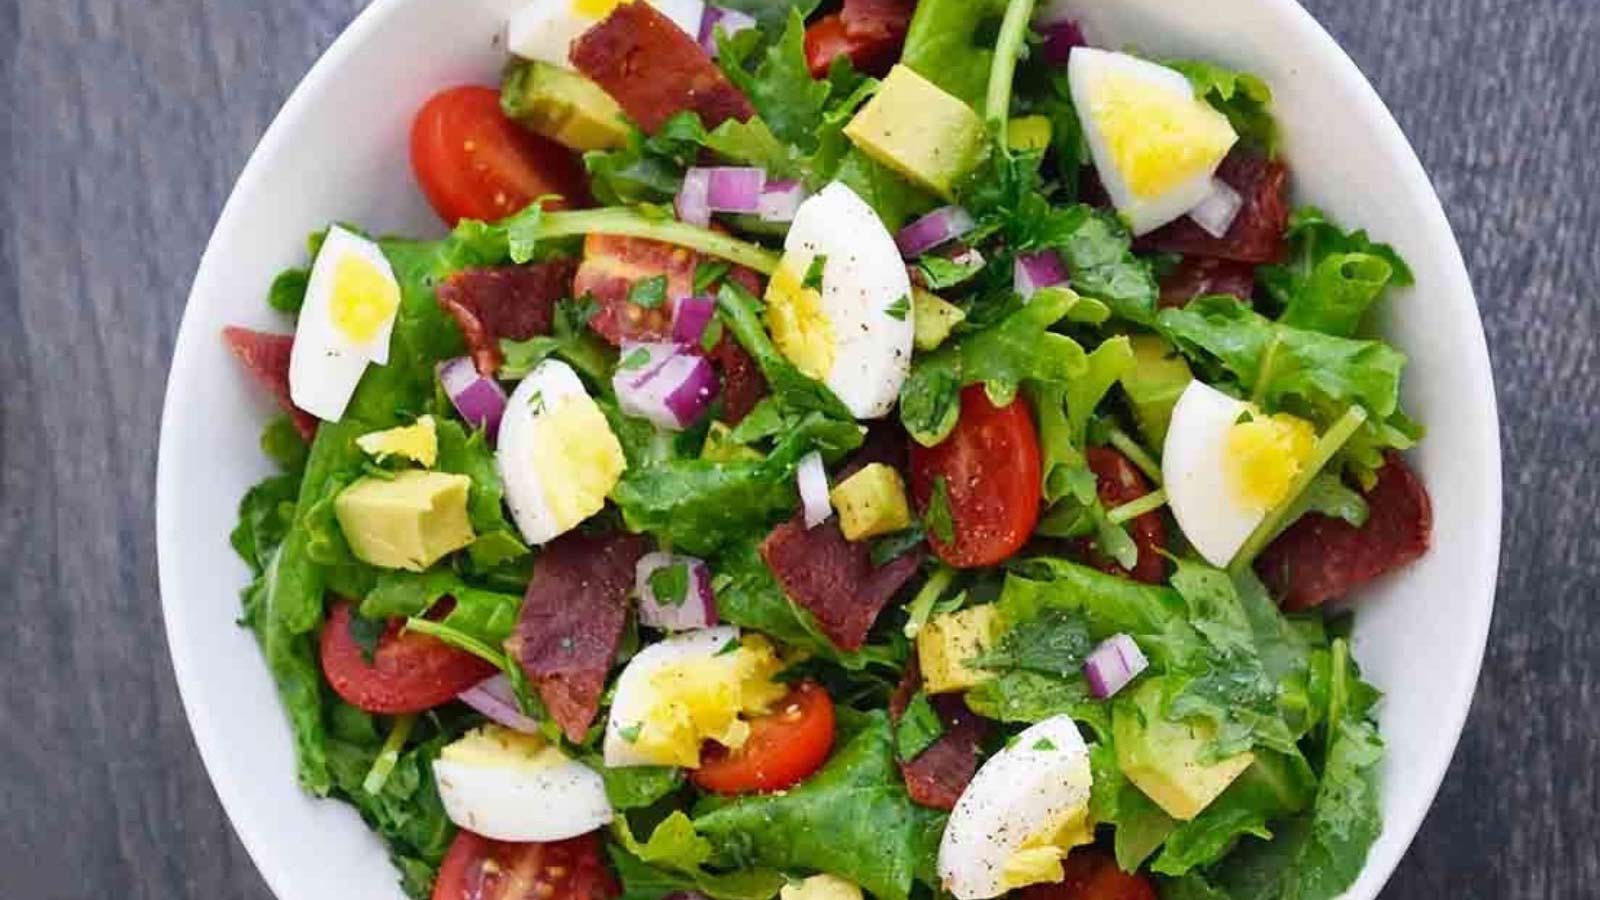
pixel 943 224
pixel 780 201
pixel 1217 209
pixel 692 203
pixel 735 189
pixel 696 609
pixel 812 477
pixel 669 386
pixel 731 21
pixel 494 698
pixel 1060 37
pixel 691 318
pixel 1114 663
pixel 1033 271
pixel 480 401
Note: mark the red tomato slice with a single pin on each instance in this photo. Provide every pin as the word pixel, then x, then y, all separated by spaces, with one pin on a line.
pixel 869 32
pixel 477 868
pixel 784 747
pixel 1092 874
pixel 990 466
pixel 474 163
pixel 409 672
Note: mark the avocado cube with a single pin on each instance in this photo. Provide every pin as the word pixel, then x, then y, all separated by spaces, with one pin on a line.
pixel 1154 384
pixel 407 522
pixel 1028 134
pixel 563 106
pixel 912 126
pixel 1163 758
pixel 932 319
pixel 871 502
pixel 949 641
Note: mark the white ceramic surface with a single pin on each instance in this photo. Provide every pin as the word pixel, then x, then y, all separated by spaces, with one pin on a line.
pixel 337 151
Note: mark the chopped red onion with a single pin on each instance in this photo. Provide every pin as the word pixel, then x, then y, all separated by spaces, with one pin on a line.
pixel 1216 211
pixel 697 608
pixel 1033 271
pixel 967 256
pixel 943 224
pixel 1112 665
pixel 691 318
pixel 668 385
pixel 1059 39
pixel 692 203
pixel 734 189
pixel 480 401
pixel 731 21
pixel 813 480
pixel 780 200
pixel 495 698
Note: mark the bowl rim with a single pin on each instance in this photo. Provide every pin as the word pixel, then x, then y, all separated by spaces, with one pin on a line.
pixel 271 855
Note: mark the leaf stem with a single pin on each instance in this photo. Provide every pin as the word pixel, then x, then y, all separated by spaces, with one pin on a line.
pixel 1008 46
pixel 1133 509
pixel 384 765
pixel 620 220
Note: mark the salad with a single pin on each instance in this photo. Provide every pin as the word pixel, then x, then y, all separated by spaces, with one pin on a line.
pixel 894 449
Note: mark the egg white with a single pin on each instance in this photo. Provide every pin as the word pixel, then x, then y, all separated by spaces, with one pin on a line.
pixel 545 29
pixel 326 363
pixel 1088 70
pixel 524 428
pixel 512 798
pixel 1194 473
pixel 1031 786
pixel 635 695
pixel 864 279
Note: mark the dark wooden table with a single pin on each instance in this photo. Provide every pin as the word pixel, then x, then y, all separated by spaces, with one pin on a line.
pixel 124 126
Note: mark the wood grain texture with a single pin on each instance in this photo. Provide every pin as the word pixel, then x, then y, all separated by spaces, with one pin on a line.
pixel 125 125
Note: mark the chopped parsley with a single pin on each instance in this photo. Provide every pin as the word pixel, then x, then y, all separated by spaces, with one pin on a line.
pixel 670 584
pixel 919 727
pixel 708 274
pixel 636 358
pixel 648 293
pixel 938 519
pixel 900 308
pixel 813 279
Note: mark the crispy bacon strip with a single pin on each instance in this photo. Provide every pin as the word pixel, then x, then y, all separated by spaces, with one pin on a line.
pixel 510 302
pixel 1119 481
pixel 941 772
pixel 1257 234
pixel 655 71
pixel 1197 276
pixel 1320 558
pixel 834 578
pixel 266 357
pixel 571 622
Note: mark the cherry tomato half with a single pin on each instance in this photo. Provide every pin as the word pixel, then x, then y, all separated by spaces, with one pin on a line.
pixel 990 468
pixel 474 163
pixel 784 747
pixel 477 868
pixel 1091 874
pixel 408 673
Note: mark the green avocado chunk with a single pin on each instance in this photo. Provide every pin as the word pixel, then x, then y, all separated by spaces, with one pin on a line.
pixel 407 522
pixel 563 106
pixel 1154 384
pixel 917 129
pixel 1164 758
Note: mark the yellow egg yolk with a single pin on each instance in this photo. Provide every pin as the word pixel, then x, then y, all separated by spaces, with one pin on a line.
pixel 799 326
pixel 418 442
pixel 365 298
pixel 1264 454
pixel 577 458
pixel 498 746
pixel 596 9
pixel 697 700
pixel 1157 139
pixel 1038 860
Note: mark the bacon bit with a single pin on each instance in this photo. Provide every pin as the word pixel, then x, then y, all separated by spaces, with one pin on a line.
pixel 1257 234
pixel 1197 276
pixel 266 357
pixel 655 71
pixel 510 302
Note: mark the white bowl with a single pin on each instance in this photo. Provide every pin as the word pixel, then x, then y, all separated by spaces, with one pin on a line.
pixel 338 151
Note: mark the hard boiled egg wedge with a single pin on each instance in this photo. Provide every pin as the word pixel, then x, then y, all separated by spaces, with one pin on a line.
pixel 556 453
pixel 545 29
pixel 511 786
pixel 677 694
pixel 1027 806
pixel 1154 143
pixel 345 323
pixel 1226 465
pixel 839 305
